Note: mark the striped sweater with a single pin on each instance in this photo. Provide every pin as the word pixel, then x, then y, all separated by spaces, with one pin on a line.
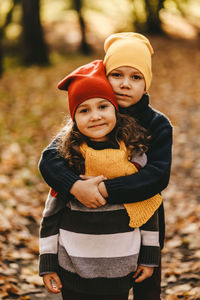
pixel 95 250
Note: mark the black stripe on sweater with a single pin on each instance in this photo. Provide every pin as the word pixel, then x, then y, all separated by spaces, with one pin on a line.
pixel 107 222
pixel 149 255
pixel 99 286
pixel 48 263
pixel 152 223
pixel 50 225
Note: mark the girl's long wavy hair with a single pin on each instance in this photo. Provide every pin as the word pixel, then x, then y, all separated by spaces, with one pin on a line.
pixel 134 136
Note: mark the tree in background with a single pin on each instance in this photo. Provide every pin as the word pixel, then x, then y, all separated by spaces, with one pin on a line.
pixel 6 22
pixel 151 23
pixel 145 15
pixel 78 6
pixel 35 50
pixel 1 52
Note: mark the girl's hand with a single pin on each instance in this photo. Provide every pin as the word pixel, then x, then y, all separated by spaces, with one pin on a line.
pixel 142 273
pixel 87 192
pixel 52 283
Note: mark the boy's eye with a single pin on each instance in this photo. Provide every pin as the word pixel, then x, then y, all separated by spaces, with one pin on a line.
pixel 137 77
pixel 115 74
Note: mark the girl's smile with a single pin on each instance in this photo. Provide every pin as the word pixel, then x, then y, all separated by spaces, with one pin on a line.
pixel 96 118
pixel 128 85
pixel 96 126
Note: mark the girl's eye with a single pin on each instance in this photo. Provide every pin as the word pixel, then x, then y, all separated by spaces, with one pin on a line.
pixel 103 106
pixel 84 110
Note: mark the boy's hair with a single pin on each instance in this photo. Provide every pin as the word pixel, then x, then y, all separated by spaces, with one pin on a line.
pixel 127 130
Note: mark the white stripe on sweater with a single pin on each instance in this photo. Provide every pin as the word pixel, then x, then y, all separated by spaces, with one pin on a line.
pixel 49 244
pixel 108 245
pixel 150 238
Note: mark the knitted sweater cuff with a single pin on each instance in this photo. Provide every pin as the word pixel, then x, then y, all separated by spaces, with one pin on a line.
pixel 48 263
pixel 113 186
pixel 149 255
pixel 67 182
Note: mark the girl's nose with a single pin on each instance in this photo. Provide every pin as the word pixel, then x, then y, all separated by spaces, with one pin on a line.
pixel 95 116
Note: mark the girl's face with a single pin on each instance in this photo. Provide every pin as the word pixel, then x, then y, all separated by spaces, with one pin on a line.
pixel 96 118
pixel 128 85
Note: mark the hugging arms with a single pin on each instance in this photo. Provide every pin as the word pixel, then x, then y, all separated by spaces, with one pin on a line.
pixel 150 180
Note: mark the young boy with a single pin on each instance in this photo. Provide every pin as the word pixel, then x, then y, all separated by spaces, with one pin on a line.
pixel 128 67
pixel 86 244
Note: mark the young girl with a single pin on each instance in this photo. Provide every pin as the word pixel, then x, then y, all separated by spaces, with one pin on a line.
pixel 94 253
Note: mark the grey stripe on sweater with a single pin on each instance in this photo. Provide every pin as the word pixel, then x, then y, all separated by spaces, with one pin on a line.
pixel 97 267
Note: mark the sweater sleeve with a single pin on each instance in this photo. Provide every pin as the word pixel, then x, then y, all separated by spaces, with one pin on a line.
pixel 55 170
pixel 48 258
pixel 49 230
pixel 151 179
pixel 150 248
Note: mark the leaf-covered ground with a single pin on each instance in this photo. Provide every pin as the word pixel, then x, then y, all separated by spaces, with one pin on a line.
pixel 32 111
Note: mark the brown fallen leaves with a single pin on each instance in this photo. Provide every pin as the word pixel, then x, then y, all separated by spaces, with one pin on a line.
pixel 30 118
pixel 20 214
pixel 177 93
pixel 18 286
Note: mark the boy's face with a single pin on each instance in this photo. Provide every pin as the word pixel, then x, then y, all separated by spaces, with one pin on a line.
pixel 96 118
pixel 128 85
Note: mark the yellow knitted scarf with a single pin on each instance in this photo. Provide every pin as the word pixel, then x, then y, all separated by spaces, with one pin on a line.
pixel 114 163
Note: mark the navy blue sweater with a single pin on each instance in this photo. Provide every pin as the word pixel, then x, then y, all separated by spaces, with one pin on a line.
pixel 150 180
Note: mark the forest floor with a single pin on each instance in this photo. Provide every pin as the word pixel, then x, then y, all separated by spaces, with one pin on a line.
pixel 33 111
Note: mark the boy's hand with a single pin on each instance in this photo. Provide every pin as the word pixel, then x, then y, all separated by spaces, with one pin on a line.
pixel 142 273
pixel 87 192
pixel 101 187
pixel 52 283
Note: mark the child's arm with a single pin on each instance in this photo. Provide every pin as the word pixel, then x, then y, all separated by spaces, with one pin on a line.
pixel 55 170
pixel 63 180
pixel 49 232
pixel 151 180
pixel 150 246
pixel 149 256
pixel 52 283
pixel 88 193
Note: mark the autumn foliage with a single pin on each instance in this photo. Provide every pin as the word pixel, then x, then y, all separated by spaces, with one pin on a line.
pixel 32 112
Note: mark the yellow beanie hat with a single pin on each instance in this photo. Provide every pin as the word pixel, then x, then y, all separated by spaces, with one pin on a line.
pixel 129 49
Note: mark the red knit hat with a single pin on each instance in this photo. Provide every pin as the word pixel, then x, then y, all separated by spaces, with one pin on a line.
pixel 88 81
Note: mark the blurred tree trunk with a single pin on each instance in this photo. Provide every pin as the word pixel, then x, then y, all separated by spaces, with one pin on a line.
pixel 153 23
pixel 84 47
pixel 1 54
pixel 35 50
pixel 7 21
